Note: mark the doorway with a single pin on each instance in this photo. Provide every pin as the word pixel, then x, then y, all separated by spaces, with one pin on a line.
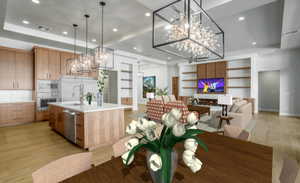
pixel 175 85
pixel 269 91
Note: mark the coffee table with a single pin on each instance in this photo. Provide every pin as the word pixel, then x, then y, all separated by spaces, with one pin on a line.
pixel 200 109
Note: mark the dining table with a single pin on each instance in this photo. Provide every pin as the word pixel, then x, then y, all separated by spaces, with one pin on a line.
pixel 227 160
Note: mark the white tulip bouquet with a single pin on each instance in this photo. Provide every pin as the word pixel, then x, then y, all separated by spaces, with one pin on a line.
pixel 161 145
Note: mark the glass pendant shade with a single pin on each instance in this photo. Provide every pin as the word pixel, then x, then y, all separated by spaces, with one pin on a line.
pixel 184 29
pixel 104 58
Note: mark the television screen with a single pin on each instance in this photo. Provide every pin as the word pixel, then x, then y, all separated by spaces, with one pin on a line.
pixel 214 85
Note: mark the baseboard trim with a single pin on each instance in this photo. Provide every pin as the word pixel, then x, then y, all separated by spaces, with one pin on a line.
pixel 289 114
pixel 269 110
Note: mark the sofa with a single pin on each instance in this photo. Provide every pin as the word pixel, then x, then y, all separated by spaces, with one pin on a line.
pixel 241 111
pixel 156 109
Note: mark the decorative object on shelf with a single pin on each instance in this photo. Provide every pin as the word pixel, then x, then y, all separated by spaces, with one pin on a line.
pixel 103 57
pixel 149 85
pixel 184 29
pixel 102 75
pixel 224 100
pixel 89 97
pixel 162 159
pixel 161 92
pixel 86 59
pixel 73 63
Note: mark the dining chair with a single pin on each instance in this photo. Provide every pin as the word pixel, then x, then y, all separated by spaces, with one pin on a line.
pixel 236 132
pixel 119 147
pixel 289 171
pixel 63 168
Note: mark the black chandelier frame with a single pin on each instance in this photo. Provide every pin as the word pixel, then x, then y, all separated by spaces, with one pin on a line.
pixel 203 12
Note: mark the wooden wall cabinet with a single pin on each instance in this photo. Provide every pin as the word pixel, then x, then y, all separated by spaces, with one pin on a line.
pixel 14 113
pixel 54 65
pixel 201 71
pixel 24 71
pixel 47 64
pixel 41 60
pixel 221 69
pixel 16 69
pixel 211 70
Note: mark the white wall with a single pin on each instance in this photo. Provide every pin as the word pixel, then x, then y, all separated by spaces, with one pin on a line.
pixel 269 91
pixel 288 63
pixel 161 73
pixel 173 71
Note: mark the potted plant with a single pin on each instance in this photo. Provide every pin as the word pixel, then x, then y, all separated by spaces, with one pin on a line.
pixel 89 97
pixel 102 75
pixel 161 92
pixel 161 156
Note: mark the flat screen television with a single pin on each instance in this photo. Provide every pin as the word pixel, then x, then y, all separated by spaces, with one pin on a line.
pixel 212 85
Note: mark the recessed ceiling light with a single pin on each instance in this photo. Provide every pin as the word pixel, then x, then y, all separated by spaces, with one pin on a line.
pixel 147 14
pixel 115 29
pixel 43 28
pixel 134 48
pixel 241 18
pixel 94 40
pixel 26 22
pixel 254 43
pixel 65 33
pixel 36 1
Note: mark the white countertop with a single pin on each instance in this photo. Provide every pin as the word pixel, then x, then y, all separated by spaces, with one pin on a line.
pixel 75 106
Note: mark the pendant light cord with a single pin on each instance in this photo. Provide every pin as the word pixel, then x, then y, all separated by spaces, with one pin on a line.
pixel 86 34
pixel 75 39
pixel 102 33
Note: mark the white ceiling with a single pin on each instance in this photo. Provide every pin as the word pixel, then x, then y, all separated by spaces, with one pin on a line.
pixel 262 24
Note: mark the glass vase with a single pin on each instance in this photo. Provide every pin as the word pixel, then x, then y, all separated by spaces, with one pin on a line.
pixel 99 99
pixel 157 175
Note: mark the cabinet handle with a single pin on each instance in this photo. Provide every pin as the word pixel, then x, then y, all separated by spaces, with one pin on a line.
pixel 13 84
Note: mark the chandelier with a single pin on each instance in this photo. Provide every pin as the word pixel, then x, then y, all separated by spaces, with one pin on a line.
pixel 85 62
pixel 183 28
pixel 103 57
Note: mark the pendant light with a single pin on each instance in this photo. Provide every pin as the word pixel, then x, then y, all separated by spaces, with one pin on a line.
pixel 86 60
pixel 73 63
pixel 103 57
pixel 187 32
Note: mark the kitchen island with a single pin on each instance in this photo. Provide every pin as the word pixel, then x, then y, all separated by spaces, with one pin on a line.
pixel 88 126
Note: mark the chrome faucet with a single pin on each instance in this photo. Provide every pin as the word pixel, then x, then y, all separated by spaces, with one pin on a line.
pixel 81 93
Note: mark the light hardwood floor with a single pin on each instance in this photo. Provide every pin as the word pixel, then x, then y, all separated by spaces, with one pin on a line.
pixel 25 148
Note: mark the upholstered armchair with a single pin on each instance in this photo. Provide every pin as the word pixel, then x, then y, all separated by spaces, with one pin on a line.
pixel 155 109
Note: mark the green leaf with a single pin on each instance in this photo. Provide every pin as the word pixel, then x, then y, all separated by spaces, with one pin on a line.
pixel 166 164
pixel 162 133
pixel 192 132
pixel 150 146
pixel 133 150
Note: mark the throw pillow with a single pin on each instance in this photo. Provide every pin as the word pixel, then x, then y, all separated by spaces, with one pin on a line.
pixel 237 105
